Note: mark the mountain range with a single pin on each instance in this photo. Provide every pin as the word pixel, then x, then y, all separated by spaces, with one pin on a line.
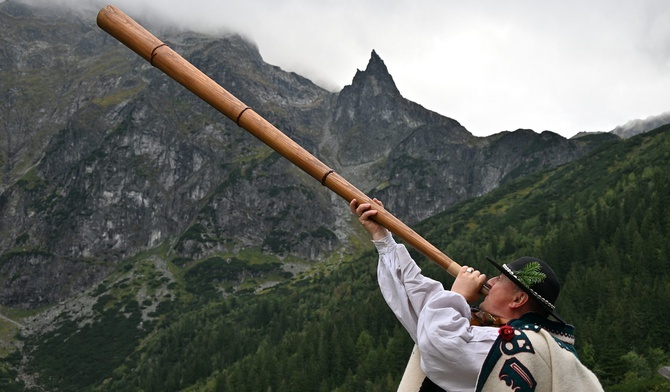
pixel 104 156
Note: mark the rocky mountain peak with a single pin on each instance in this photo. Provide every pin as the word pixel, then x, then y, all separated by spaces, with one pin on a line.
pixel 372 117
pixel 376 78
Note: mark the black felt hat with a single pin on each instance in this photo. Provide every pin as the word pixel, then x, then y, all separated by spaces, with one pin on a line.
pixel 536 278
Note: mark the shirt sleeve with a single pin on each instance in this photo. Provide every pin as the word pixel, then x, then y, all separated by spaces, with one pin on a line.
pixel 438 320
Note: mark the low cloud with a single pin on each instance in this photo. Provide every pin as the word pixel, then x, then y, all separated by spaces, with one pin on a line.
pixel 567 66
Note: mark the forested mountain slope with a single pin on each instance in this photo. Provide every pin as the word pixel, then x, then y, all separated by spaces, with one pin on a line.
pixel 602 221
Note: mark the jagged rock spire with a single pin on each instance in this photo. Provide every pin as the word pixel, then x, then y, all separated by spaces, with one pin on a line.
pixel 376 76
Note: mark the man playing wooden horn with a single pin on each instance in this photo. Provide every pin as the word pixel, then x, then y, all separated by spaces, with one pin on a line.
pixel 527 351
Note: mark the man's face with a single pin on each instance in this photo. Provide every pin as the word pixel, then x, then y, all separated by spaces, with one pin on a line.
pixel 500 297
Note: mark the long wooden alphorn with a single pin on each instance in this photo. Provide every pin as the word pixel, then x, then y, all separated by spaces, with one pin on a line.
pixel 130 33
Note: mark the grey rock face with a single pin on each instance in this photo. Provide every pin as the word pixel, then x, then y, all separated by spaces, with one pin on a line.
pixel 104 157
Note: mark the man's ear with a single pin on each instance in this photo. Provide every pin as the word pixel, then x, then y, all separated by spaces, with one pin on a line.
pixel 520 298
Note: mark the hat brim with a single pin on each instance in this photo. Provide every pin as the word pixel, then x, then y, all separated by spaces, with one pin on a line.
pixel 527 290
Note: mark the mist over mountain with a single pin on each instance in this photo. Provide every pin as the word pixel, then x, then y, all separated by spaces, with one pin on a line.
pixel 638 126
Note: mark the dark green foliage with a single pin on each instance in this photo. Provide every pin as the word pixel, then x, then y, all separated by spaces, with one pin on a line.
pixel 307 339
pixel 277 241
pixel 197 233
pixel 208 276
pixel 10 257
pixel 281 241
pixel 181 261
pixel 22 239
pixel 31 181
pixel 73 358
pixel 8 374
pixel 323 233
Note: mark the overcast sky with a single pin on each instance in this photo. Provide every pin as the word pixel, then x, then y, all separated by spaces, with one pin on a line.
pixel 565 66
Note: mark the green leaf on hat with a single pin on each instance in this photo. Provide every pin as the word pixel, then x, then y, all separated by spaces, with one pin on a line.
pixel 530 274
